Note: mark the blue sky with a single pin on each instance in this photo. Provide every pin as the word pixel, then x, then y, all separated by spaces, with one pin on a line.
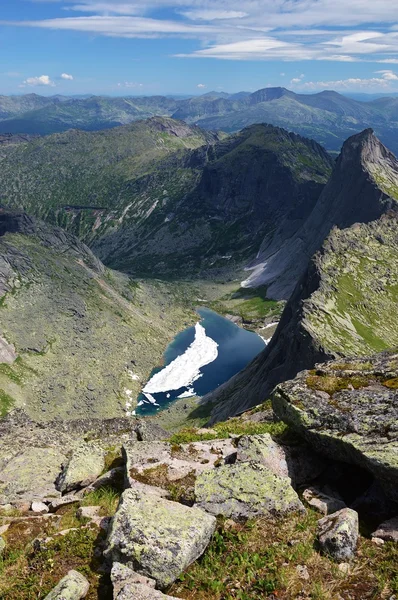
pixel 127 47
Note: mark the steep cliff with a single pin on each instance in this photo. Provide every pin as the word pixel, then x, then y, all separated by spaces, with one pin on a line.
pixel 345 303
pixel 364 184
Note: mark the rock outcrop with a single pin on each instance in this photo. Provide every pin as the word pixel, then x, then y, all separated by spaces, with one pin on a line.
pixel 84 466
pixel 348 410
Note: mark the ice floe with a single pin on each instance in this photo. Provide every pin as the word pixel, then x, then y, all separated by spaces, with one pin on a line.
pixel 185 369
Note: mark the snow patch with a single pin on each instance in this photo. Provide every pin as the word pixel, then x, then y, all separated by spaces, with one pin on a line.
pixel 185 369
pixel 188 394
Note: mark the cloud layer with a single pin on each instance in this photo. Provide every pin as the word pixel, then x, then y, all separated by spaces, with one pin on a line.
pixel 285 30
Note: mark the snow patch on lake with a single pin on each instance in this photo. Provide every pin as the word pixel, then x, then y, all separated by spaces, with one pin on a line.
pixel 185 369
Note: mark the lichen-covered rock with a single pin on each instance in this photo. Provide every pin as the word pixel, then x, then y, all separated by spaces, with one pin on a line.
pixel 31 475
pixel 139 591
pixel 122 576
pixel 338 534
pixel 150 432
pixel 262 449
pixel 297 461
pixel 85 465
pixel 156 537
pixel 72 587
pixel 322 502
pixel 387 531
pixel 348 410
pixel 245 490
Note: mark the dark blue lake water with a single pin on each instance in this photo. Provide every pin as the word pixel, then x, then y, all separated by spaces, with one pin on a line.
pixel 236 348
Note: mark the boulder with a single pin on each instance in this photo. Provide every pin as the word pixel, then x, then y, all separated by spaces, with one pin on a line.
pixel 31 475
pixel 245 490
pixel 323 503
pixel 122 576
pixel 338 534
pixel 158 538
pixel 39 507
pixel 150 432
pixel 349 412
pixel 72 587
pixel 139 591
pixel 85 466
pixel 387 531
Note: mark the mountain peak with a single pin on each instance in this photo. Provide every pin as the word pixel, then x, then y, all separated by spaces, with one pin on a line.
pixel 367 150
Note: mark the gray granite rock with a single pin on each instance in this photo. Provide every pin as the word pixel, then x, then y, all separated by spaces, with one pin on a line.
pixel 245 490
pixel 72 587
pixel 338 534
pixel 156 537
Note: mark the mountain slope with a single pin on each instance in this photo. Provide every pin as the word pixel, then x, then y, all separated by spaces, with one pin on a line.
pixel 76 339
pixel 345 303
pixel 149 203
pixel 327 117
pixel 360 190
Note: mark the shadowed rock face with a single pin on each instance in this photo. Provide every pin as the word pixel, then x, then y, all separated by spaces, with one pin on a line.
pixel 364 184
pixel 345 303
pixel 348 411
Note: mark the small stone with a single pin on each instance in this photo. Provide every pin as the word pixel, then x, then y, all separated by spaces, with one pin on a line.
pixel 387 531
pixel 302 572
pixel 72 587
pixel 4 528
pixel 6 507
pixel 64 501
pixel 39 507
pixel 322 502
pixel 344 568
pixel 338 534
pixel 378 541
pixel 88 512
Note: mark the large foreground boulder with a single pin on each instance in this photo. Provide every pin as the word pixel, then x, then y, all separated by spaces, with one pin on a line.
pixel 245 490
pixel 156 537
pixel 348 410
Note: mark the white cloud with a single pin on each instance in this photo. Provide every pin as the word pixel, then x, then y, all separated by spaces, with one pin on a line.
pixel 353 83
pixel 67 77
pixel 388 75
pixel 286 30
pixel 201 85
pixel 37 81
pixel 213 15
pixel 130 84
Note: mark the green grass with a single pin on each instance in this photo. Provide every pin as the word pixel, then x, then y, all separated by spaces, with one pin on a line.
pixel 224 429
pixel 6 403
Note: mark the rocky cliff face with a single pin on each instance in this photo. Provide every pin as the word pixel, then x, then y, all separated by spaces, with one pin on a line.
pixel 345 302
pixel 362 187
pixel 76 339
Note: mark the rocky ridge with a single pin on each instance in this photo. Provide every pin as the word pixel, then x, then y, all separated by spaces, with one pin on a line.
pixel 344 304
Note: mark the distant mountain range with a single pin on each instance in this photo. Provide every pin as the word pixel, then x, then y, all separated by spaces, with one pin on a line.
pixel 327 117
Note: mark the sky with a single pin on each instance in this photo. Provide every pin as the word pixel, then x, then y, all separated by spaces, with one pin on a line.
pixel 130 47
